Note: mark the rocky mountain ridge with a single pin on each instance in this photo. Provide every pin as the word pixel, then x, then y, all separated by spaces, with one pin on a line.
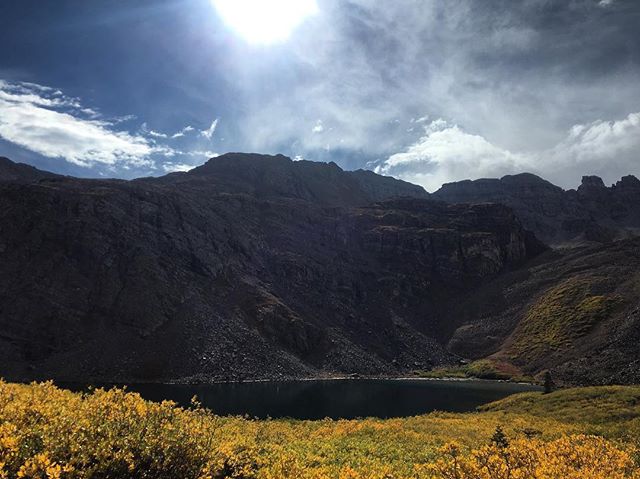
pixel 592 213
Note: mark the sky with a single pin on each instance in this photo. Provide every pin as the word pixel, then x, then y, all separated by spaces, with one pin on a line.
pixel 429 91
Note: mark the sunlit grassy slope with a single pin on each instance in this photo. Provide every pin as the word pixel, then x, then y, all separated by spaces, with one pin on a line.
pixel 561 316
pixel 49 432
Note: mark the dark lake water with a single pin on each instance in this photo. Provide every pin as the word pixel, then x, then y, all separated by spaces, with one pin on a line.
pixel 334 398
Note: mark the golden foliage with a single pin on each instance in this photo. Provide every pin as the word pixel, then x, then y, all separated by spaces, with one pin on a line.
pixel 570 457
pixel 565 313
pixel 46 432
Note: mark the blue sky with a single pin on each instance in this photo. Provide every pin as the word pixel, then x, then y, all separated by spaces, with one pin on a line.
pixel 425 90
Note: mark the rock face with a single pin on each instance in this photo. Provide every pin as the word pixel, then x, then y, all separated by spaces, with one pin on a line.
pixel 247 267
pixel 592 213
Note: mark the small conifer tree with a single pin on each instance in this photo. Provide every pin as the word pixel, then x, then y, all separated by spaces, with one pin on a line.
pixel 549 386
pixel 499 438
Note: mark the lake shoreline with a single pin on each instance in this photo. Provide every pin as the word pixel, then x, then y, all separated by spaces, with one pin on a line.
pixel 287 380
pixel 337 397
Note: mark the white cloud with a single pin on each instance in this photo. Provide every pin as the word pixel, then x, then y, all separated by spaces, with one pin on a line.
pixel 208 133
pixel 47 122
pixel 183 132
pixel 157 134
pixel 123 119
pixel 610 149
pixel 448 153
pixel 318 127
pixel 173 167
pixel 203 153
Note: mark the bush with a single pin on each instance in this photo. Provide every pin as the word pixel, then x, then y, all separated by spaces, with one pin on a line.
pixel 46 432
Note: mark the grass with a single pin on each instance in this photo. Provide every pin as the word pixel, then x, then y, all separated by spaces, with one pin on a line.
pixel 46 432
pixel 481 369
pixel 611 411
pixel 565 313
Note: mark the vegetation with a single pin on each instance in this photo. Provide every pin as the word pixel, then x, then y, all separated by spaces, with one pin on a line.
pixel 46 432
pixel 563 314
pixel 481 369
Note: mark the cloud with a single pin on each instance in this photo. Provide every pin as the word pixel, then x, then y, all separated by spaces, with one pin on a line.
pixel 518 73
pixel 203 153
pixel 47 122
pixel 208 133
pixel 446 152
pixel 609 149
pixel 173 167
pixel 156 134
pixel 318 128
pixel 183 132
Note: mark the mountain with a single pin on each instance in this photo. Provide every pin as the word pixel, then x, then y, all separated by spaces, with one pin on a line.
pixel 249 266
pixel 10 171
pixel 268 177
pixel 592 213
pixel 256 266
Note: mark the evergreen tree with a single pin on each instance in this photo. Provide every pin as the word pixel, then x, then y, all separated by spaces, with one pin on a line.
pixel 499 438
pixel 549 386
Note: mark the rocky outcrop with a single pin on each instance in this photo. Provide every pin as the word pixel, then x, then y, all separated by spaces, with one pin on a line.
pixel 592 213
pixel 247 267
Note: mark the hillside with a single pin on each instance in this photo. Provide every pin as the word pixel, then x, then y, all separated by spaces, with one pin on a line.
pixel 574 311
pixel 247 267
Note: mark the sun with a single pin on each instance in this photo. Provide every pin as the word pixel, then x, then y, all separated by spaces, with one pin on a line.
pixel 264 21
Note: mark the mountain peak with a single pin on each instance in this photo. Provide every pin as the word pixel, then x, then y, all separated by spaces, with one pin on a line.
pixel 12 171
pixel 278 176
pixel 592 181
pixel 628 181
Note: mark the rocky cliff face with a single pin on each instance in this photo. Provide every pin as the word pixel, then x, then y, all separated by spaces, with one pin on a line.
pixel 592 213
pixel 246 267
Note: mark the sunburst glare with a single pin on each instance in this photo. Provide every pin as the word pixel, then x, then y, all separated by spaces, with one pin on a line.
pixel 265 21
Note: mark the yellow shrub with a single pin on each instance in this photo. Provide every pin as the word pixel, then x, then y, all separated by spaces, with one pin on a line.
pixel 571 457
pixel 46 432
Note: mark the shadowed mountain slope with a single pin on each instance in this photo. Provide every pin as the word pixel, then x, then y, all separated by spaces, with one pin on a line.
pixel 247 267
pixel 256 266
